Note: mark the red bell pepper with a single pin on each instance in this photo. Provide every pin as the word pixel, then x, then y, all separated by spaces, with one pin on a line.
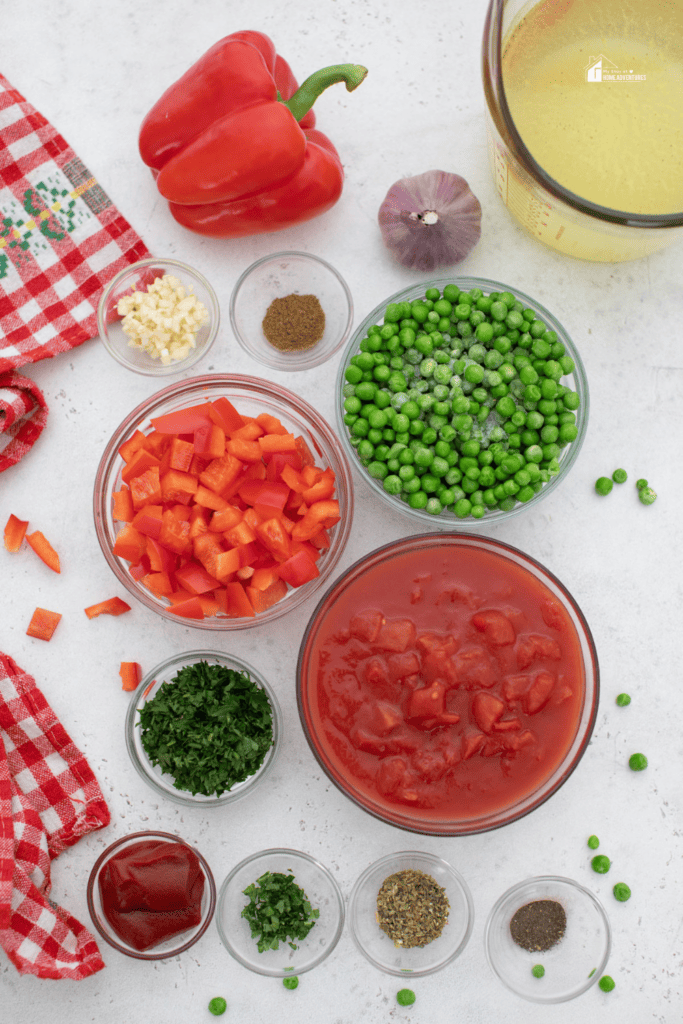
pixel 43 624
pixel 44 550
pixel 232 143
pixel 112 606
pixel 15 531
pixel 131 674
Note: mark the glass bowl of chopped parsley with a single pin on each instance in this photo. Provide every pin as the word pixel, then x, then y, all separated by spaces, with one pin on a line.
pixel 158 317
pixel 461 401
pixel 203 728
pixel 548 939
pixel 280 912
pixel 411 912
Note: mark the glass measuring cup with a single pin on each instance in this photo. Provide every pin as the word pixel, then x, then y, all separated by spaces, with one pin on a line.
pixel 550 212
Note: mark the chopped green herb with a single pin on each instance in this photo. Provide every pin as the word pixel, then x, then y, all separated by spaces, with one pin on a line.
pixel 218 1006
pixel 601 864
pixel 291 982
pixel 405 997
pixel 210 727
pixel 278 910
pixel 637 762
pixel 538 970
pixel 593 842
pixel 621 892
pixel 606 983
pixel 623 700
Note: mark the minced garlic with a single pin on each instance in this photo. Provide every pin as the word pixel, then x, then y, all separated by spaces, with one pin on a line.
pixel 163 321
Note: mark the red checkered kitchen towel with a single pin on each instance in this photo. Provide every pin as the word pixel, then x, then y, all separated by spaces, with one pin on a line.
pixel 49 798
pixel 61 240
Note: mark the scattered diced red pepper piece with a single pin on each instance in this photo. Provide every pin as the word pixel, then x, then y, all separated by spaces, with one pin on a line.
pixel 15 531
pixel 112 606
pixel 43 624
pixel 44 550
pixel 131 674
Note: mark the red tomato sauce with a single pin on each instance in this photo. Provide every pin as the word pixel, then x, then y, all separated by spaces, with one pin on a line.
pixel 151 891
pixel 452 683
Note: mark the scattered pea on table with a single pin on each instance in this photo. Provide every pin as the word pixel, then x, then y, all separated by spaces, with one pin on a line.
pixel 593 842
pixel 623 700
pixel 405 997
pixel 637 762
pixel 603 485
pixel 622 892
pixel 601 864
pixel 606 983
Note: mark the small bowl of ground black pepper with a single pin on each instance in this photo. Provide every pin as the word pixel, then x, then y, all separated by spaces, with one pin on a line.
pixel 548 939
pixel 291 311
pixel 411 912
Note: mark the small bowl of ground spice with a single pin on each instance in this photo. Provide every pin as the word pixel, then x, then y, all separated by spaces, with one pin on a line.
pixel 411 912
pixel 291 311
pixel 548 939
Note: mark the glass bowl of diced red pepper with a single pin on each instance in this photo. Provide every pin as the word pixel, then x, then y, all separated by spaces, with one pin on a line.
pixel 223 502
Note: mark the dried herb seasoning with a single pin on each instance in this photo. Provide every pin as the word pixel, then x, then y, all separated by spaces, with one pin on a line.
pixel 539 925
pixel 412 908
pixel 294 323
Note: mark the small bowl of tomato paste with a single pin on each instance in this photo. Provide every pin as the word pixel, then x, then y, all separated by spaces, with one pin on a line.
pixel 151 895
pixel 223 502
pixel 448 683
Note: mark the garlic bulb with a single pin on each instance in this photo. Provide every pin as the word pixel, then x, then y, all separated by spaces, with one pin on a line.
pixel 431 220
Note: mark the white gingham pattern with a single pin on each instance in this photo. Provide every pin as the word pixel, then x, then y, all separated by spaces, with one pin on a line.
pixel 49 798
pixel 61 238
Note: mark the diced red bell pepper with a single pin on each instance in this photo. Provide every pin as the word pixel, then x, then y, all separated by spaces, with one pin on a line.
pixel 321 515
pixel 195 578
pixel 43 624
pixel 225 519
pixel 298 569
pixel 271 424
pixel 262 600
pixel 177 485
pixel 275 538
pixel 224 413
pixel 141 460
pixel 15 531
pixel 148 521
pixel 134 443
pixel 183 421
pixel 122 508
pixel 158 582
pixel 189 609
pixel 321 489
pixel 44 550
pixel 130 544
pixel 220 474
pixel 180 454
pixel 209 441
pixel 245 451
pixel 250 430
pixel 237 603
pixel 112 606
pixel 146 488
pixel 272 443
pixel 131 674
pixel 175 532
pixel 209 499
pixel 160 558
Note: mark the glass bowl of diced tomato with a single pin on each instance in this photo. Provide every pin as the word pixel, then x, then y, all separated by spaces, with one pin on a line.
pixel 448 683
pixel 223 502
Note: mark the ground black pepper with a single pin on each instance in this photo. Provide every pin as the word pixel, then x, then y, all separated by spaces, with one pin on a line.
pixel 294 323
pixel 412 908
pixel 539 925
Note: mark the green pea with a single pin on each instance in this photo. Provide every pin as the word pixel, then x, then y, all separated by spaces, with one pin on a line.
pixel 620 476
pixel 621 892
pixel 217 1006
pixel 647 495
pixel 606 983
pixel 603 485
pixel 405 997
pixel 538 970
pixel 623 700
pixel 291 981
pixel 601 864
pixel 593 842
pixel 637 762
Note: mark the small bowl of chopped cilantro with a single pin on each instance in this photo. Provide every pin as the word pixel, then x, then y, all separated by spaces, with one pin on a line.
pixel 462 401
pixel 203 728
pixel 411 912
pixel 158 317
pixel 280 913
pixel 548 939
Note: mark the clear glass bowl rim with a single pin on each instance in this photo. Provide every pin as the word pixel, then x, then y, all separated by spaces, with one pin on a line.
pixel 570 453
pixel 536 880
pixel 592 681
pixel 389 860
pixel 190 389
pixel 293 854
pixel 178 661
pixel 110 850
pixel 158 369
pixel 302 360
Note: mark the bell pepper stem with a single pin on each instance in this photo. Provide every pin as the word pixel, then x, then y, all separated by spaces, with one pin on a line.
pixel 307 93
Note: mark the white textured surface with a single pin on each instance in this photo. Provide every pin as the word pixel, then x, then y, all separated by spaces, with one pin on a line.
pixel 94 70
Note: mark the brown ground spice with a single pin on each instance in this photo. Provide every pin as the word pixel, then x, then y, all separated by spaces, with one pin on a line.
pixel 539 925
pixel 294 323
pixel 412 908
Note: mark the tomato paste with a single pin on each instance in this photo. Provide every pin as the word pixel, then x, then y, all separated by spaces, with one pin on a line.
pixel 446 680
pixel 151 891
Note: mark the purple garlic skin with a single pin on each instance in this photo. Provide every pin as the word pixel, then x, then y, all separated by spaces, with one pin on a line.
pixel 429 221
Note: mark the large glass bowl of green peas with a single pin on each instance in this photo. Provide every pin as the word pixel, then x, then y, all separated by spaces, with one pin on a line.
pixel 462 400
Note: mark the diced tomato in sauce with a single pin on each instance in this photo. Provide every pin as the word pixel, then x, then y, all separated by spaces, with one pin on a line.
pixel 451 685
